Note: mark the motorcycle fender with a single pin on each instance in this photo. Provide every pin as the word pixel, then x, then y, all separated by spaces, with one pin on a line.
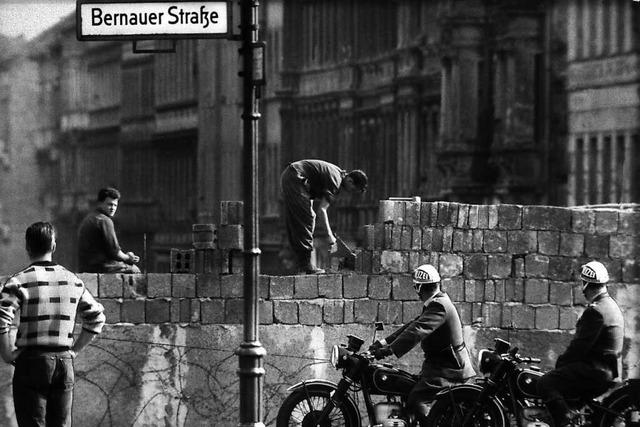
pixel 314 381
pixel 630 386
pixel 442 394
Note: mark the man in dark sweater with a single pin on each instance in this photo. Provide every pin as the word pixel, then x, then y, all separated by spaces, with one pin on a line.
pixel 304 182
pixel 98 247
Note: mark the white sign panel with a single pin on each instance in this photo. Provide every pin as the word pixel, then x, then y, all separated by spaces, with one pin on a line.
pixel 100 20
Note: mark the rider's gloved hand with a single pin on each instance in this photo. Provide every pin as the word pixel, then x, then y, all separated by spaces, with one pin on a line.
pixel 382 352
pixel 375 346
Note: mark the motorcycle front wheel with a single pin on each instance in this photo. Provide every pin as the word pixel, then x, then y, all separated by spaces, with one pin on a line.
pixel 462 408
pixel 305 406
pixel 625 412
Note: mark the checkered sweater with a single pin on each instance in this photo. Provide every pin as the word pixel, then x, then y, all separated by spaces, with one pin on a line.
pixel 48 296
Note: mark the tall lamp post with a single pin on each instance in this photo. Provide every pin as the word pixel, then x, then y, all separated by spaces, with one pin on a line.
pixel 250 353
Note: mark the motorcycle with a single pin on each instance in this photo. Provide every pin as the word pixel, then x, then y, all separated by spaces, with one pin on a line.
pixel 322 403
pixel 507 395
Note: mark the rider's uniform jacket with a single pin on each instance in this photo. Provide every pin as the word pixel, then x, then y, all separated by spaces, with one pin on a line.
pixel 599 336
pixel 439 331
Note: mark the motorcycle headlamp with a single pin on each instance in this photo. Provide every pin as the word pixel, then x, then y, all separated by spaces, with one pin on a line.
pixel 487 361
pixel 338 356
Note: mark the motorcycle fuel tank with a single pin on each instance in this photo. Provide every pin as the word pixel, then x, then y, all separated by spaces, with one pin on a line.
pixel 527 381
pixel 392 381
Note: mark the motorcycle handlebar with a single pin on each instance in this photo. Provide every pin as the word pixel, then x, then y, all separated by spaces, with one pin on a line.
pixel 526 359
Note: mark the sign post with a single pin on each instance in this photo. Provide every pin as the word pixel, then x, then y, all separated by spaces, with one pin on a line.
pixel 155 19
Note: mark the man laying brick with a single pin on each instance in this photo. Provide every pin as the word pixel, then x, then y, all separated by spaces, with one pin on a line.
pixel 304 182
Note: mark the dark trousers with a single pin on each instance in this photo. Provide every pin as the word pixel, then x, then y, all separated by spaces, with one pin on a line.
pixel 572 381
pixel 299 216
pixel 43 388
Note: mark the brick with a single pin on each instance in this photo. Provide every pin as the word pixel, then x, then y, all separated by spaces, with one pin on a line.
pixel 631 271
pixel 536 291
pixel 483 217
pixel 493 217
pixel 183 285
pixel 514 290
pixel 546 218
pixel 231 286
pixel 212 311
pixel 158 285
pixel 281 287
pixel 629 223
pixel 204 236
pixel 386 211
pixel 410 309
pixel 265 312
pixel 230 236
pixel 560 268
pixel 478 240
pixel 310 313
pixel 569 317
pixel 499 266
pixel 606 221
pixel 495 241
pixel 454 287
pixel 425 213
pixel 521 241
pixel 231 212
pixel 380 287
pixel 509 217
pixel 447 239
pixel 462 241
pixel 416 238
pixel 305 287
pixel 158 310
pixel 450 265
pixel 536 265
pixel 547 317
pixel 443 218
pixel 583 221
pixel 523 316
pixel 90 281
pixel 132 311
pixel 333 312
pixel 330 286
pixel 475 266
pixel 402 288
pixel 366 311
pixel 622 246
pixel 355 286
pixel 596 246
pixel 463 216
pixel 412 213
pixel 571 244
pixel 474 290
pixel 390 312
pixel 560 293
pixel 394 261
pixel 548 242
pixel 233 311
pixel 110 285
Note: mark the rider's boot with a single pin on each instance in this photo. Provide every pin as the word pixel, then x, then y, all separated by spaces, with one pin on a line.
pixel 306 263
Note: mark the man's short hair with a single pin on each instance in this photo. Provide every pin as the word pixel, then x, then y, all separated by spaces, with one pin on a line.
pixel 109 192
pixel 359 179
pixel 39 238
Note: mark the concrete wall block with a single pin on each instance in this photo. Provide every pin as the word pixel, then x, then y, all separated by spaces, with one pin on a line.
pixel 231 212
pixel 478 240
pixel 506 318
pixel 175 310
pixel 474 290
pixel 443 218
pixel 396 237
pixel 536 265
pixel 489 290
pixel 399 212
pixel 499 266
pixel 158 310
pixel 368 233
pixel 629 223
pixel 402 288
pixel 416 238
pixel 451 265
pixel 410 309
pixel 231 285
pixel 230 236
pixel 394 261
pixel 133 310
pixel 517 266
pixel 236 262
pixel 414 259
pixel 549 242
pixel 454 209
pixel 500 290
pixel 330 286
pixel 364 261
pixel 387 242
pixel 208 285
pixel 380 287
pixel 406 238
pixel 333 312
pixel 212 311
pixel 234 311
pixel 447 239
pixel 355 286
pixel 390 312
pixel 583 221
pixel 631 271
pixel 436 240
pixel 624 246
pixel 463 216
pixel 306 287
pixel 195 310
pixel 112 309
pixel 412 213
pixel 514 290
pixel 493 217
pixel 378 236
pixel 475 266
pixel 376 263
pixel 606 221
pixel 265 312
pixel 560 293
pixel 110 285
pixel 281 287
pixel 509 217
pixel 571 244
pixel 433 215
pixel 546 218
pixel 495 241
pixel 536 291
pixel 473 216
pixel 462 241
pixel 184 309
pixel 158 285
pixel 596 246
pixel 464 311
pixel 349 313
pixel 614 267
pixel 134 285
pixel 568 317
pixel 522 241
pixel 483 217
pixel 523 316
pixel 425 213
pixel 264 283
pixel 90 281
pixel 366 311
pixel 204 236
pixel 386 211
pixel 183 285
pixel 578 296
pixel 454 287
pixel 427 238
pixel 310 312
pixel 492 315
pixel 560 268
pixel 547 317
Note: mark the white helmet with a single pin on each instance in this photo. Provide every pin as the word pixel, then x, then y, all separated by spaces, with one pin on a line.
pixel 594 272
pixel 426 273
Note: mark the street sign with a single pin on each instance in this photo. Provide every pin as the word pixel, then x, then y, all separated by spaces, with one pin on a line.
pixel 152 19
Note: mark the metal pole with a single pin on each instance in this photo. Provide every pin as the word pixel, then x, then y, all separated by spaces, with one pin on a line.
pixel 250 353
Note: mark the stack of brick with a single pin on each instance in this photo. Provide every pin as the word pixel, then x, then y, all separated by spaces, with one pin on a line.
pixel 511 265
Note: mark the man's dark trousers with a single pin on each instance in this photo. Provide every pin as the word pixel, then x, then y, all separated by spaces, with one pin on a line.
pixel 43 387
pixel 299 215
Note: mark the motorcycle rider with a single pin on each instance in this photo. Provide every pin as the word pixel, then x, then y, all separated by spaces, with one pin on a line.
pixel 439 331
pixel 590 363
